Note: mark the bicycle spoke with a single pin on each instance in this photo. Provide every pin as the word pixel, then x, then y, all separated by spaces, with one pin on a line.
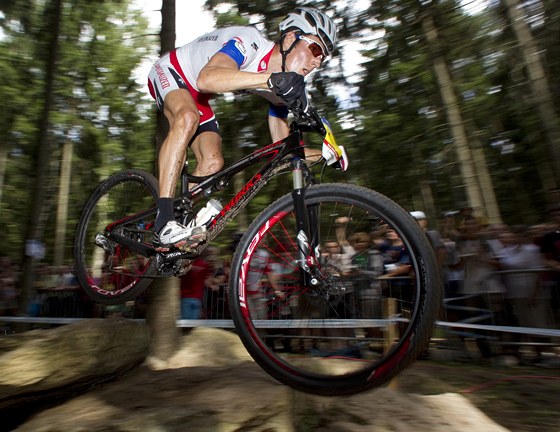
pixel 348 316
pixel 108 271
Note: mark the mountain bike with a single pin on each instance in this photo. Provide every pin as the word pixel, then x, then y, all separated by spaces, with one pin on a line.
pixel 319 324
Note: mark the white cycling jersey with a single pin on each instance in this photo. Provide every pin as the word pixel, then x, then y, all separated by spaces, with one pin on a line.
pixel 250 50
pixel 181 67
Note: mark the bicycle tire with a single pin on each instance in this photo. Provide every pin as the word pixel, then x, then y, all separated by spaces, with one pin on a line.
pixel 113 274
pixel 308 337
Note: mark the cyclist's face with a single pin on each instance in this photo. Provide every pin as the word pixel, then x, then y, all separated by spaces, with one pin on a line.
pixel 305 57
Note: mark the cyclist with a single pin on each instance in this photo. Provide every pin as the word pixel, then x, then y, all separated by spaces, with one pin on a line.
pixel 228 59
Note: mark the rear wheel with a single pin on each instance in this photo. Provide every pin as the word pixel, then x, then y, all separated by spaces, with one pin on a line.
pixel 109 272
pixel 352 326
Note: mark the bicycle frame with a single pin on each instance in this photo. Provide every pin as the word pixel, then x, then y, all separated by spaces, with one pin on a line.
pixel 279 155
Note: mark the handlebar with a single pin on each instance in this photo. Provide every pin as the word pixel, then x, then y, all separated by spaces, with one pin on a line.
pixel 309 121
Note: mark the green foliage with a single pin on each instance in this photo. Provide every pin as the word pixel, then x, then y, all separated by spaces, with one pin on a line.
pixel 395 130
pixel 398 136
pixel 98 104
pixel 401 109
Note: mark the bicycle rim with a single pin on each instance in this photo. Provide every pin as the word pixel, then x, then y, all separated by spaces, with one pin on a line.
pixel 111 273
pixel 355 328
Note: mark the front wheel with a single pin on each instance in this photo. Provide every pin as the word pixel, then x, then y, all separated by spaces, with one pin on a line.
pixel 364 314
pixel 109 272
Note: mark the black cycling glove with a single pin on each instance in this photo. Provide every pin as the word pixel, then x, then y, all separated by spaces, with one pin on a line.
pixel 290 87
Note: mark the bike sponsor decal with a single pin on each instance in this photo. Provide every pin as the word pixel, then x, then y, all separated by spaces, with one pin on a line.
pixel 212 38
pixel 243 291
pixel 236 198
pixel 267 149
pixel 173 255
pixel 249 253
pixel 240 46
pixel 114 293
pixel 164 82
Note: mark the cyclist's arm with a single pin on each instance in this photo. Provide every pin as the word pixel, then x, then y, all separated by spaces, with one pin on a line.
pixel 278 127
pixel 221 74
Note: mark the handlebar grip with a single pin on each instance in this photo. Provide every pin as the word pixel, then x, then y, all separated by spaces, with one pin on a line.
pixel 308 121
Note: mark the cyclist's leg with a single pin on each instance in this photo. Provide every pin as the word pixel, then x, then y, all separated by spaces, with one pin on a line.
pixel 182 114
pixel 207 149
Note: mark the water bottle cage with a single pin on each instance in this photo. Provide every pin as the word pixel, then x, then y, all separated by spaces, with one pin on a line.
pixel 184 212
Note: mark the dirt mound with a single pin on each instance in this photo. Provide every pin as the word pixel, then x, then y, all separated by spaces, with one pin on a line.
pixel 200 391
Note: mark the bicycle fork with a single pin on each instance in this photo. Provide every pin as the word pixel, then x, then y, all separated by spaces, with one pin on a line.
pixel 307 227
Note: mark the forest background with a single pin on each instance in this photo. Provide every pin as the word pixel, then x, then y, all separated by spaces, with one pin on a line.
pixel 449 109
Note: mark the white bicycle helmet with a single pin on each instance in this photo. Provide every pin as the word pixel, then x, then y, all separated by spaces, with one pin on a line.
pixel 314 22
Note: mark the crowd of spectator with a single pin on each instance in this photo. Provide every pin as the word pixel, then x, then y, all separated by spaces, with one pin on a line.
pixel 501 275
pixel 504 275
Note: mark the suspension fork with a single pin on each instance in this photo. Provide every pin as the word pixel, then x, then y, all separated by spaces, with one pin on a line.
pixel 306 224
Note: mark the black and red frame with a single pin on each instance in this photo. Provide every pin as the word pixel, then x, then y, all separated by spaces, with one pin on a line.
pixel 283 154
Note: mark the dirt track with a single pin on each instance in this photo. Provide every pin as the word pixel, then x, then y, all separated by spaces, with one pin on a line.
pixel 199 392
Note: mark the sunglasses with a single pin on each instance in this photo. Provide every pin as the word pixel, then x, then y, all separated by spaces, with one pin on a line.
pixel 314 47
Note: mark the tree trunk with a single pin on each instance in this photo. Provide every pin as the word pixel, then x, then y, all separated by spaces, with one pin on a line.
pixel 425 201
pixel 464 154
pixel 62 207
pixel 3 166
pixel 35 230
pixel 163 297
pixel 486 184
pixel 538 83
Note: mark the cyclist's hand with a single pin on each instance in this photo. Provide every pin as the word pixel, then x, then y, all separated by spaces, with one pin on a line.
pixel 290 87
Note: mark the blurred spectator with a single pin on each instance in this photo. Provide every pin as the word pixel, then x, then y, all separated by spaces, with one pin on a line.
pixel 479 262
pixel 453 267
pixel 398 274
pixel 396 259
pixel 367 266
pixel 528 300
pixel 214 305
pixel 550 248
pixel 491 234
pixel 453 280
pixel 433 236
pixel 482 288
pixel 42 275
pixel 435 239
pixel 449 226
pixel 524 293
pixel 286 270
pixel 337 255
pixel 338 252
pixel 261 283
pixel 192 287
pixel 67 280
pixel 550 242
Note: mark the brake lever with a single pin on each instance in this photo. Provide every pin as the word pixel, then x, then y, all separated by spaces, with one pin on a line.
pixel 308 121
